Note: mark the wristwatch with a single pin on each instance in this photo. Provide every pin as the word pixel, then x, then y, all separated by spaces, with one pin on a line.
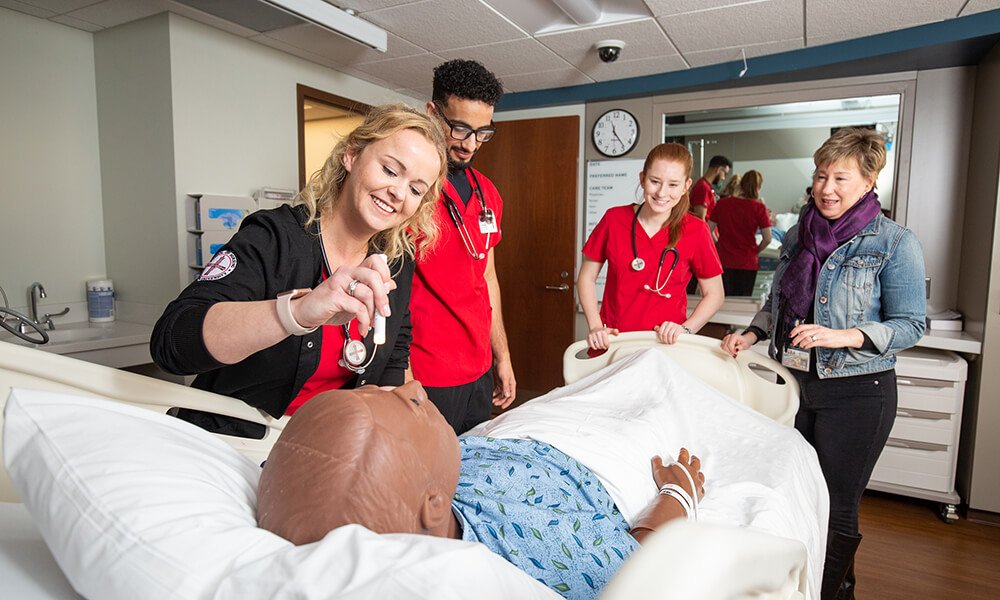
pixel 284 307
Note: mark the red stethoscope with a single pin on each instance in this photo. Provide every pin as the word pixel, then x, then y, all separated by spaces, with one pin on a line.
pixel 487 220
pixel 638 264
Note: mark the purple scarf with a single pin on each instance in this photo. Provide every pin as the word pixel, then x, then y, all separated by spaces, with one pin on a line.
pixel 818 238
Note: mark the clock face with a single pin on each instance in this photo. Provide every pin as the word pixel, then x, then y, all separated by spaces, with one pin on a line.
pixel 615 133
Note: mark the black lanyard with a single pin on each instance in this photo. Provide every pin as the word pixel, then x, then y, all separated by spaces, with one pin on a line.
pixel 459 220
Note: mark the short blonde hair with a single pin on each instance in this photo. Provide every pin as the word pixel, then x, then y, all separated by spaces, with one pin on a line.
pixel 382 122
pixel 732 187
pixel 864 146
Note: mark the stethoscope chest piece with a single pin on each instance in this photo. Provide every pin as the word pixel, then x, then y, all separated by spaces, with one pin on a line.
pixel 354 355
pixel 638 264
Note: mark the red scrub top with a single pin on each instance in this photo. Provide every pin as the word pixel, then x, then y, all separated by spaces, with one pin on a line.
pixel 702 194
pixel 738 220
pixel 329 374
pixel 626 305
pixel 450 304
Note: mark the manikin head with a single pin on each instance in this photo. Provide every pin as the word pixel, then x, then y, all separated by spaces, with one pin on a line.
pixel 384 459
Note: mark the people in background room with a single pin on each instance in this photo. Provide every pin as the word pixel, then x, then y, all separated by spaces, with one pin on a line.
pixel 703 194
pixel 285 310
pixel 732 187
pixel 458 331
pixel 652 249
pixel 848 295
pixel 738 218
pixel 387 460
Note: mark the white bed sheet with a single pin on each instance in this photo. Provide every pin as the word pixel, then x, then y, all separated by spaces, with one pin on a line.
pixel 760 474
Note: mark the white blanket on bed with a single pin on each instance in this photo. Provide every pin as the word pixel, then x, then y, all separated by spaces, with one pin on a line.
pixel 759 473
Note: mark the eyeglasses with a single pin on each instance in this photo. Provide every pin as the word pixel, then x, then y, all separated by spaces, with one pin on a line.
pixel 461 131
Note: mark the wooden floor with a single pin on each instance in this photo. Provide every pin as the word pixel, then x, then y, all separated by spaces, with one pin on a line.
pixel 909 552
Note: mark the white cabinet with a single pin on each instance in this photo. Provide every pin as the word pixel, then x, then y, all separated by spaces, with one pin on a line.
pixel 921 455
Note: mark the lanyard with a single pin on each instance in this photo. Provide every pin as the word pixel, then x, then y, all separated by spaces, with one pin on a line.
pixel 354 351
pixel 638 264
pixel 459 220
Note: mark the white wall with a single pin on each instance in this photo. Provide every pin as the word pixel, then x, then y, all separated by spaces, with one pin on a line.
pixel 137 159
pixel 51 227
pixel 938 166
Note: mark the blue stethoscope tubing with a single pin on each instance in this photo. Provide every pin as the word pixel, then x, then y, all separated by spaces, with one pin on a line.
pixel 638 264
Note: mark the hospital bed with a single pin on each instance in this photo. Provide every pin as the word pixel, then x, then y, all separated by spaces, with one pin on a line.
pixel 84 528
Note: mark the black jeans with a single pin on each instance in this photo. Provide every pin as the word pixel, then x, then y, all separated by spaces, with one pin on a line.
pixel 739 282
pixel 847 420
pixel 464 406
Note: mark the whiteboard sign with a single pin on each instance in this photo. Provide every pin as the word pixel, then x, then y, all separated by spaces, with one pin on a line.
pixel 610 183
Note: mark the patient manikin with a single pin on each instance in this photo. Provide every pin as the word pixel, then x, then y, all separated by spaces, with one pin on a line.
pixel 387 460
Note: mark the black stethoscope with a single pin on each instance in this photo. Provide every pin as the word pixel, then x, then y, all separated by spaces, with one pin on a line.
pixel 354 351
pixel 487 221
pixel 638 264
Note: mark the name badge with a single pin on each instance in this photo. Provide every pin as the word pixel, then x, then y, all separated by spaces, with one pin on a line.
pixel 796 358
pixel 487 221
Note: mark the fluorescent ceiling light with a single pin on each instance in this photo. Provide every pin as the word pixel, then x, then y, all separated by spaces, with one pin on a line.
pixel 338 21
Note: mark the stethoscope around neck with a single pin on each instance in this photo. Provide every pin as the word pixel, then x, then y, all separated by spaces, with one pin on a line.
pixel 638 264
pixel 485 215
pixel 354 352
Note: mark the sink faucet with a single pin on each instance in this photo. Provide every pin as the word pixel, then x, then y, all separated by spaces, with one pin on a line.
pixel 35 292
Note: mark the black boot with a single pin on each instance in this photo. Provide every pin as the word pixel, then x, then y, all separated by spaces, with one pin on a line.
pixel 839 566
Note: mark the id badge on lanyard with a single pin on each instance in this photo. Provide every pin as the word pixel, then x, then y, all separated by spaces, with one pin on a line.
pixel 794 357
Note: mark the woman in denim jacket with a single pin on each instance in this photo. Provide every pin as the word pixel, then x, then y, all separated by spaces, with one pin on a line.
pixel 848 294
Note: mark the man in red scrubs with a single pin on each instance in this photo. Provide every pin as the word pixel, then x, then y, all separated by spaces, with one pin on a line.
pixel 703 191
pixel 458 328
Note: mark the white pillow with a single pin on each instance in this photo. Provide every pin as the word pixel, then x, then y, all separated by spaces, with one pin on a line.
pixel 136 504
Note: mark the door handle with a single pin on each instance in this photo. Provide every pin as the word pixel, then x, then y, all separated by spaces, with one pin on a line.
pixel 562 287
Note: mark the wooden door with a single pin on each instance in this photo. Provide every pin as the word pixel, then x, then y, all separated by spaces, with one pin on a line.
pixel 533 163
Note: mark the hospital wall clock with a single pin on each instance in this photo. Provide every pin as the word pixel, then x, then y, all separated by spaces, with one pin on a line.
pixel 615 133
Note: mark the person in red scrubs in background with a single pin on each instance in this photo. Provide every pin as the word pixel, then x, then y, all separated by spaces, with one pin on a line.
pixel 652 249
pixel 738 218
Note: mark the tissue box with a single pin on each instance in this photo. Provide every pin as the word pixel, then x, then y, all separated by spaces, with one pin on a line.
pixel 268 198
pixel 205 245
pixel 217 213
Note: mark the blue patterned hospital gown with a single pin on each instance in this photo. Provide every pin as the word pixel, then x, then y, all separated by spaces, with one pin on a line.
pixel 542 511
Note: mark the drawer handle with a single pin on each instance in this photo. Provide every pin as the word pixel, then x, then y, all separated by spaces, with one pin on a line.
pixel 928 415
pixel 924 383
pixel 930 447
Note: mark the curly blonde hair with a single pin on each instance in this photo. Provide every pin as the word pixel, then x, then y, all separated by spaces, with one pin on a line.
pixel 865 146
pixel 381 122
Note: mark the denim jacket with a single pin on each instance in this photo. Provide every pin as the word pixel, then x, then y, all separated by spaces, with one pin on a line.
pixel 874 282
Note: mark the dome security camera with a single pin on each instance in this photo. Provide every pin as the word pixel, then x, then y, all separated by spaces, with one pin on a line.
pixel 609 50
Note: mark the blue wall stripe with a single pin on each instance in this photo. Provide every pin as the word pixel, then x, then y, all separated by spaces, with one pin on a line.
pixel 931 34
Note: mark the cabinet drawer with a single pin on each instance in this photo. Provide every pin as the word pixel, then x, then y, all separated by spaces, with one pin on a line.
pixel 929 394
pixel 925 426
pixel 930 468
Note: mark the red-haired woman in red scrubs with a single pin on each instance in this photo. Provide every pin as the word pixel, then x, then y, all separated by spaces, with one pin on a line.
pixel 652 249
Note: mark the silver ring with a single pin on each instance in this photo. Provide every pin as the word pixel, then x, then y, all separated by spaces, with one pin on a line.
pixel 352 286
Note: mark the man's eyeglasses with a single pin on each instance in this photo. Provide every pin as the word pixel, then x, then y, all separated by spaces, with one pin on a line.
pixel 461 131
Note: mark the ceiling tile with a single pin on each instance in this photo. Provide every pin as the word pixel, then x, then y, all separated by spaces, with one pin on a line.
pixel 833 20
pixel 445 24
pixel 76 23
pixel 58 6
pixel 508 58
pixel 978 6
pixel 622 69
pixel 643 39
pixel 409 71
pixel 665 8
pixel 115 12
pixel 724 55
pixel 545 80
pixel 344 51
pixel 735 26
pixel 28 9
